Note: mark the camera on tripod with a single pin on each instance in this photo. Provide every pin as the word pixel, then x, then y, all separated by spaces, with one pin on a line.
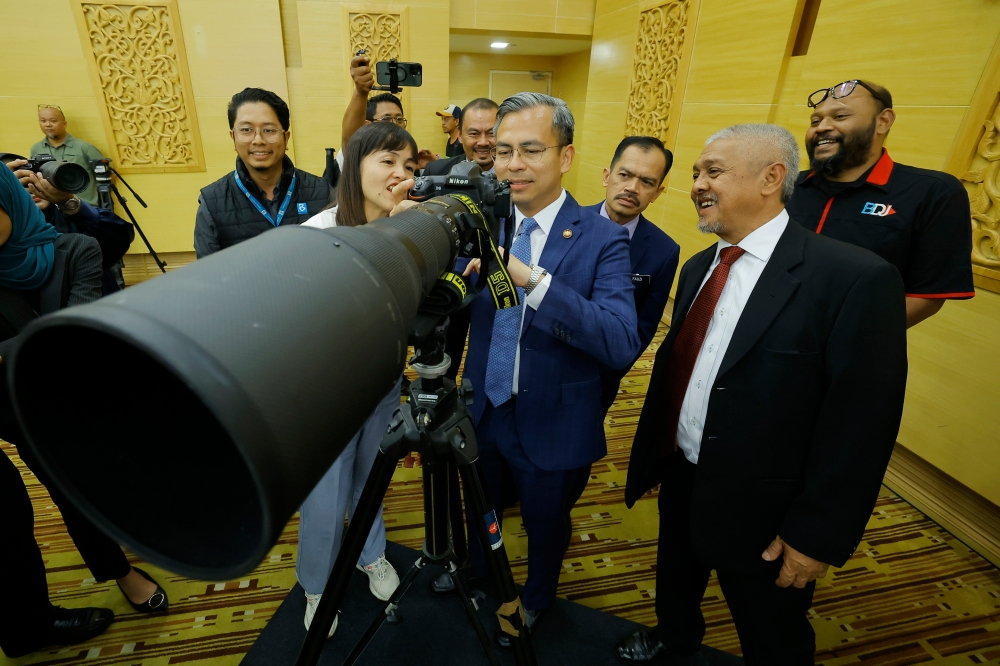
pixel 102 178
pixel 65 176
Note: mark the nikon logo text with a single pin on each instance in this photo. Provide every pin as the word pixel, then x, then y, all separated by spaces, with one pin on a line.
pixel 878 209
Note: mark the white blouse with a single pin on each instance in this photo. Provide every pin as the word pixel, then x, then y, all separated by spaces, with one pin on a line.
pixel 325 219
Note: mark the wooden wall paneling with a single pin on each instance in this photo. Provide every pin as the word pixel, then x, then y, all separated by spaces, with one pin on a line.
pixel 975 159
pixel 138 66
pixel 966 514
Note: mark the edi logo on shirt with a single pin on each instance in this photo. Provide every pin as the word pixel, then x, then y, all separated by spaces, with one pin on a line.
pixel 878 209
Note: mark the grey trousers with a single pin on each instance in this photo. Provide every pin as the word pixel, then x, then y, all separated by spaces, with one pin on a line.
pixel 321 516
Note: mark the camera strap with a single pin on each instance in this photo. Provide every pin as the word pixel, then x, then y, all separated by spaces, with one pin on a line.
pixel 260 208
pixel 498 280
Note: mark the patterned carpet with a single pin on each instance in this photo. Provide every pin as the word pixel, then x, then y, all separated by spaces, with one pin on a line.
pixel 911 594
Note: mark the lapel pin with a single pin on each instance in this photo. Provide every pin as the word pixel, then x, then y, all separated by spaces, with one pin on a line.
pixel 567 234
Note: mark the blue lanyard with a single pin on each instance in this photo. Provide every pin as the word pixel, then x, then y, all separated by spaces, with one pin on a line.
pixel 260 208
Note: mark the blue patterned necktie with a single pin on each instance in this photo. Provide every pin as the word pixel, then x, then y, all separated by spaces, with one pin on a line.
pixel 507 328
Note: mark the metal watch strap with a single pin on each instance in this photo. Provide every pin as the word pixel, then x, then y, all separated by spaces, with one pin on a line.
pixel 71 205
pixel 537 273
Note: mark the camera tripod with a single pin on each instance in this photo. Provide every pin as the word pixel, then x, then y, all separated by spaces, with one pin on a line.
pixel 435 422
pixel 104 190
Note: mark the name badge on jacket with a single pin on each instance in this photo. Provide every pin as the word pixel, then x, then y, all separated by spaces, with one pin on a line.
pixel 640 280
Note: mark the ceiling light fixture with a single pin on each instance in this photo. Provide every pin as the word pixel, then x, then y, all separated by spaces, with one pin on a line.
pixel 500 45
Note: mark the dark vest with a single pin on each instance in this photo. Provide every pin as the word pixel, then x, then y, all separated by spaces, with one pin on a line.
pixel 237 220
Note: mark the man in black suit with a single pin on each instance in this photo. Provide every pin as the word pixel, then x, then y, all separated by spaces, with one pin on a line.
pixel 634 181
pixel 772 410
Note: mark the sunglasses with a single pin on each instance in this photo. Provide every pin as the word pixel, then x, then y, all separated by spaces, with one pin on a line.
pixel 49 106
pixel 842 90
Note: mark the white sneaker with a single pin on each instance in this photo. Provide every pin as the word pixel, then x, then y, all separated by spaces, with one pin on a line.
pixel 382 578
pixel 312 603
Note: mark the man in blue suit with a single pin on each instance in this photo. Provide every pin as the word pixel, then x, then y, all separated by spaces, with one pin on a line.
pixel 536 367
pixel 633 182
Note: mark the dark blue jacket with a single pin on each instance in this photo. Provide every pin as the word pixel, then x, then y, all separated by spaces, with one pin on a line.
pixel 587 319
pixel 654 256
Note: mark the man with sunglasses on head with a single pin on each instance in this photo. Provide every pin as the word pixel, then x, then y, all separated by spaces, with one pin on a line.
pixel 916 219
pixel 63 146
pixel 265 190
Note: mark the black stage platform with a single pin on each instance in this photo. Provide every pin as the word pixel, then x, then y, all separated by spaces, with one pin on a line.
pixel 436 632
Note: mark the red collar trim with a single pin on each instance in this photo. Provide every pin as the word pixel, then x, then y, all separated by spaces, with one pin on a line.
pixel 883 169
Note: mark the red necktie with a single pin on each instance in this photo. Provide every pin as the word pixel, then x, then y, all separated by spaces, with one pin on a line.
pixel 687 344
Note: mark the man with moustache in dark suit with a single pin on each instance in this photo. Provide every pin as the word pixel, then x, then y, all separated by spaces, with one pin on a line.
pixel 771 413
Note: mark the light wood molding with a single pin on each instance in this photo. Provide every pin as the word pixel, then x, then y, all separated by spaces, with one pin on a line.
pixel 383 31
pixel 135 52
pixel 975 160
pixel 967 515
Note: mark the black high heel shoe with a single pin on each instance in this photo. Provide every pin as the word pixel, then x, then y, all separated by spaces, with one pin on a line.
pixel 157 603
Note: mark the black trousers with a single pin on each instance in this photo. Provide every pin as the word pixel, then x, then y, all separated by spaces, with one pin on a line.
pixel 771 621
pixel 25 611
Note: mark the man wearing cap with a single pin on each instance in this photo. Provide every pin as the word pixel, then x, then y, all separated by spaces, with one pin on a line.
pixel 916 219
pixel 450 117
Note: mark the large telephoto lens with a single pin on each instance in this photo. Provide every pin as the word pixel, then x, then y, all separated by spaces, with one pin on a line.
pixel 66 176
pixel 245 375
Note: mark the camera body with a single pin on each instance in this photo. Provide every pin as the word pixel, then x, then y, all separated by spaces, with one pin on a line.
pixel 466 178
pixel 65 176
pixel 102 176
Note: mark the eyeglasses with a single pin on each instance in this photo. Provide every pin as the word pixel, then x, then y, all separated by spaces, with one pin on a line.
pixel 269 134
pixel 843 90
pixel 503 154
pixel 49 106
pixel 399 120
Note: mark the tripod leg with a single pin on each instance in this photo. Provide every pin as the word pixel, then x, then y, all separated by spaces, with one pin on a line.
pixel 354 542
pixel 459 543
pixel 511 612
pixel 387 607
pixel 470 610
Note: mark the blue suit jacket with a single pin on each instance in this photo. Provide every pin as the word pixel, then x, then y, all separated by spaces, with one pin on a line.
pixel 655 255
pixel 587 319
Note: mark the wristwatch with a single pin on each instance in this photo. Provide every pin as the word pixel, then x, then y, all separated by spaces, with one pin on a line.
pixel 69 206
pixel 537 275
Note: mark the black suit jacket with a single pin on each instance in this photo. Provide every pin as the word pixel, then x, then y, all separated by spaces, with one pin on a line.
pixel 804 411
pixel 654 256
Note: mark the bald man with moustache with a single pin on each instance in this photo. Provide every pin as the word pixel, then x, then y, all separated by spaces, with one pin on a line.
pixel 772 409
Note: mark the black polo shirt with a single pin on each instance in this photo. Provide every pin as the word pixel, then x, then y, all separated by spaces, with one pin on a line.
pixel 916 219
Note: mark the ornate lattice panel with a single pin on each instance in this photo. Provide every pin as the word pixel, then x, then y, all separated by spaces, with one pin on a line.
pixel 139 70
pixel 982 180
pixel 655 68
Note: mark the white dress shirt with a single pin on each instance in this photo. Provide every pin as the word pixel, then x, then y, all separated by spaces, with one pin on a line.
pixel 743 276
pixel 545 218
pixel 630 225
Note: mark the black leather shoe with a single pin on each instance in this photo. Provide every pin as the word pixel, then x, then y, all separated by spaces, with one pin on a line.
pixel 70 626
pixel 157 603
pixel 76 625
pixel 642 647
pixel 502 639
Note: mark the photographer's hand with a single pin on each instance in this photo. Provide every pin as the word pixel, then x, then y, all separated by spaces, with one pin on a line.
pixel 43 189
pixel 362 75
pixel 22 174
pixel 399 195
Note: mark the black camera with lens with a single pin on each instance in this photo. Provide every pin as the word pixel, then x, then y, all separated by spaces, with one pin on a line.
pixel 466 178
pixel 65 176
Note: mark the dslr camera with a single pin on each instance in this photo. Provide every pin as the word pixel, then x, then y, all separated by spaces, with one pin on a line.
pixel 65 176
pixel 492 197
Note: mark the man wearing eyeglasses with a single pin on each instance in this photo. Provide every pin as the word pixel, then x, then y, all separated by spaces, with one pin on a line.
pixel 535 367
pixel 265 190
pixel 361 110
pixel 63 146
pixel 916 219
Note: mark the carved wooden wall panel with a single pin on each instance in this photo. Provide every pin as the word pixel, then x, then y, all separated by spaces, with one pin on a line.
pixel 136 55
pixel 381 31
pixel 655 68
pixel 982 180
